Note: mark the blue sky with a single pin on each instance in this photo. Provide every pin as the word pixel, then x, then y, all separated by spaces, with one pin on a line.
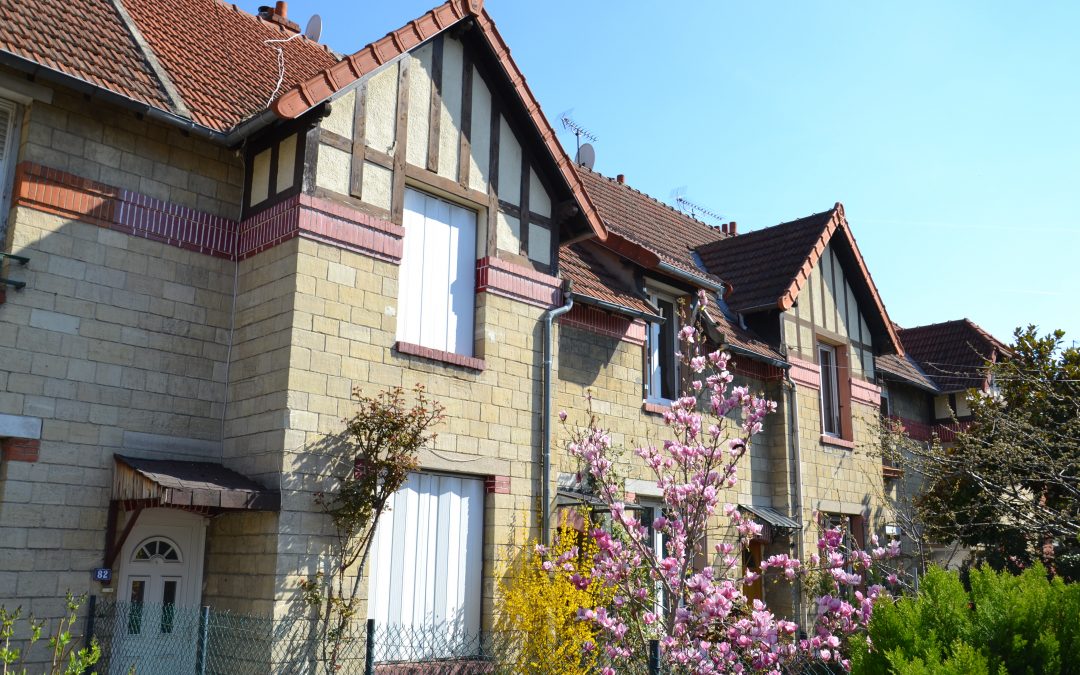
pixel 950 131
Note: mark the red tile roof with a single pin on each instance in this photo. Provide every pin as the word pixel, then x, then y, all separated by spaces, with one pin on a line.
pixel 592 279
pixel 762 265
pixel 83 38
pixel 731 334
pixel 953 353
pixel 216 56
pixel 768 268
pixel 904 368
pixel 635 216
pixel 219 58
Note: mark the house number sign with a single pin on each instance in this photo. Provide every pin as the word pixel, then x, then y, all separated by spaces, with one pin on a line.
pixel 103 574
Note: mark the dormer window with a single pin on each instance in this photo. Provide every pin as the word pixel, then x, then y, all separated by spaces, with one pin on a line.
pixel 662 361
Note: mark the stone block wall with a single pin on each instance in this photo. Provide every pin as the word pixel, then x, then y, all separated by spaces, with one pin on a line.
pixel 118 345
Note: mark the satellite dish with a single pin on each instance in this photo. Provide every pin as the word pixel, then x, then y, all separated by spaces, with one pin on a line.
pixel 314 28
pixel 586 156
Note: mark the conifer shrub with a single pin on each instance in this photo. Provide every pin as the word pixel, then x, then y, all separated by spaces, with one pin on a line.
pixel 1012 624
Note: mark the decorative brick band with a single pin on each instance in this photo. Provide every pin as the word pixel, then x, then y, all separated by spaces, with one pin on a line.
pixel 337 224
pixel 755 370
pixel 593 320
pixel 806 373
pixel 517 282
pixel 139 215
pixel 71 196
pixel 453 359
pixel 321 220
pixel 497 485
pixel 20 449
pixel 922 431
pixel 865 392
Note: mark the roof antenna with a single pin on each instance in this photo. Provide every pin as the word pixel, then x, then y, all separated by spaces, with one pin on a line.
pixel 314 28
pixel 586 154
pixel 695 209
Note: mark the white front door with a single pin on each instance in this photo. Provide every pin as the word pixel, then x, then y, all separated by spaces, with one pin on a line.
pixel 159 593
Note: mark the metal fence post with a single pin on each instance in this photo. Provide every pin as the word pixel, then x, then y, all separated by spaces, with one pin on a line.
pixel 204 639
pixel 369 648
pixel 654 657
pixel 88 637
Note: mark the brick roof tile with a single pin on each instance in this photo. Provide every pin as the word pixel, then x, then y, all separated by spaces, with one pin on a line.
pixel 580 264
pixel 761 265
pixel 85 39
pixel 641 219
pixel 953 353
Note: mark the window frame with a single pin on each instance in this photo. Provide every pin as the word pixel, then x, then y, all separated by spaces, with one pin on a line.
pixel 473 596
pixel 463 354
pixel 9 159
pixel 655 360
pixel 829 380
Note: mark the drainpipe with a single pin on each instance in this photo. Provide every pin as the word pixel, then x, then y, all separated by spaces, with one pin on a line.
pixel 795 460
pixel 545 488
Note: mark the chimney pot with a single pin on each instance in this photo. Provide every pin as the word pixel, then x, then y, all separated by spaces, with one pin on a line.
pixel 281 9
pixel 621 178
pixel 723 227
pixel 732 228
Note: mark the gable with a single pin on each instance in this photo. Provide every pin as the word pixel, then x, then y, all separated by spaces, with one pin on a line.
pixel 441 30
pixel 433 117
pixel 828 309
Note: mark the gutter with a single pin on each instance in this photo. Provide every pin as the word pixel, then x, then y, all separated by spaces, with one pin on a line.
pixel 545 453
pixel 620 309
pixel 666 268
pixel 230 138
pixel 783 365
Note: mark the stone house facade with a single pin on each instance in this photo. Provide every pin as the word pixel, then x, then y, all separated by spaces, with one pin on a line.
pixel 204 266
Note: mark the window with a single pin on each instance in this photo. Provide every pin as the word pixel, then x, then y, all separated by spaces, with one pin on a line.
pixel 426 563
pixel 830 399
pixel 8 151
pixel 662 372
pixel 436 280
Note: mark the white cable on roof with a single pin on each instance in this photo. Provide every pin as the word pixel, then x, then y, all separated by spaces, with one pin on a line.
pixel 281 66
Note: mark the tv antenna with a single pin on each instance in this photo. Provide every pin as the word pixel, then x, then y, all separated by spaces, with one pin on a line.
pixel 695 210
pixel 586 154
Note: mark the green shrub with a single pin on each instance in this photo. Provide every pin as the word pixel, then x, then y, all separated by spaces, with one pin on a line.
pixel 1006 624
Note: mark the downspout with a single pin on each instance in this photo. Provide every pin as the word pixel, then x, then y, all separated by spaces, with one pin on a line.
pixel 795 459
pixel 545 423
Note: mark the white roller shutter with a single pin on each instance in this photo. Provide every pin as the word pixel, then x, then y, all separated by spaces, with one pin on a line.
pixel 425 575
pixel 436 279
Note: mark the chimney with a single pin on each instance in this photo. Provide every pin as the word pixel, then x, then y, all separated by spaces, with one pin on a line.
pixel 732 228
pixel 279 14
pixel 620 179
pixel 723 227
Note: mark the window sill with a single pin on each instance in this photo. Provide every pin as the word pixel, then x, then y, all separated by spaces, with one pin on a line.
pixel 656 407
pixel 838 442
pixel 470 362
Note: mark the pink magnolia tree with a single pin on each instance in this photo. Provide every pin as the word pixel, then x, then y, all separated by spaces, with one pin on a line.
pixel 700 614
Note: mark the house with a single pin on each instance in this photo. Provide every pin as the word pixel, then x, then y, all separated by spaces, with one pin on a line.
pixel 211 242
pixel 926 392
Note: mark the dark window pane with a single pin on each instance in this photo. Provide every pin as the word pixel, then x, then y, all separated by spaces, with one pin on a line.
pixel 168 605
pixel 138 593
pixel 828 391
pixel 668 378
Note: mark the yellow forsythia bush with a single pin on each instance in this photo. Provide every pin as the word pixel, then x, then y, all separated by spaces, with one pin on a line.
pixel 539 600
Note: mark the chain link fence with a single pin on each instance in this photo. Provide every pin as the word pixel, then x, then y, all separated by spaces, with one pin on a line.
pixel 146 639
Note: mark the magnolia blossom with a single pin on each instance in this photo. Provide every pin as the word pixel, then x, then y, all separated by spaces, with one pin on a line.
pixel 702 617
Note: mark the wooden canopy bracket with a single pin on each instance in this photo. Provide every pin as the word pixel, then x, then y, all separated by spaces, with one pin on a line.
pixel 112 548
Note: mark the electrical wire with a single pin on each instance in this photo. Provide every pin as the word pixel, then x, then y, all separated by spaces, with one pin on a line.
pixel 281 65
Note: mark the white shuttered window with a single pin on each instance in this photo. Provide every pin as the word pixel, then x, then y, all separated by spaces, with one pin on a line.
pixel 436 280
pixel 8 150
pixel 427 560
